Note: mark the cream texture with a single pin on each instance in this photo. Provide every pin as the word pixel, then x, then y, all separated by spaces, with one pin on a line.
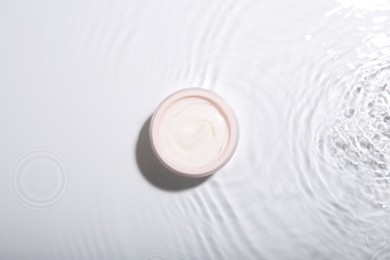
pixel 194 132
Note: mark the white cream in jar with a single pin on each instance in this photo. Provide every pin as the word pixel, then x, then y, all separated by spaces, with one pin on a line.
pixel 193 132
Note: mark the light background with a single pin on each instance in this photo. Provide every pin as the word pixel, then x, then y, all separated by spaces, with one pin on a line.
pixel 80 79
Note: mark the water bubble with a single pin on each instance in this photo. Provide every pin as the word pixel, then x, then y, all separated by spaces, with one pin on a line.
pixel 39 179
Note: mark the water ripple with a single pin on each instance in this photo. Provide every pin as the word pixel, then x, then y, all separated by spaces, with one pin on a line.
pixel 356 142
pixel 39 179
pixel 310 178
pixel 375 239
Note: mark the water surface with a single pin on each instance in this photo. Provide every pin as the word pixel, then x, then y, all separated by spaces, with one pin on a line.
pixel 308 81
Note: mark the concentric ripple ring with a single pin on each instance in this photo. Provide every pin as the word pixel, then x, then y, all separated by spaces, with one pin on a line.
pixel 39 179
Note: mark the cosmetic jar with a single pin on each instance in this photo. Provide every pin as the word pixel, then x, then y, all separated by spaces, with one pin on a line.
pixel 193 132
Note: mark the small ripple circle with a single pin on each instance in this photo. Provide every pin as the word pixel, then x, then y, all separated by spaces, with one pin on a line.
pixel 39 179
